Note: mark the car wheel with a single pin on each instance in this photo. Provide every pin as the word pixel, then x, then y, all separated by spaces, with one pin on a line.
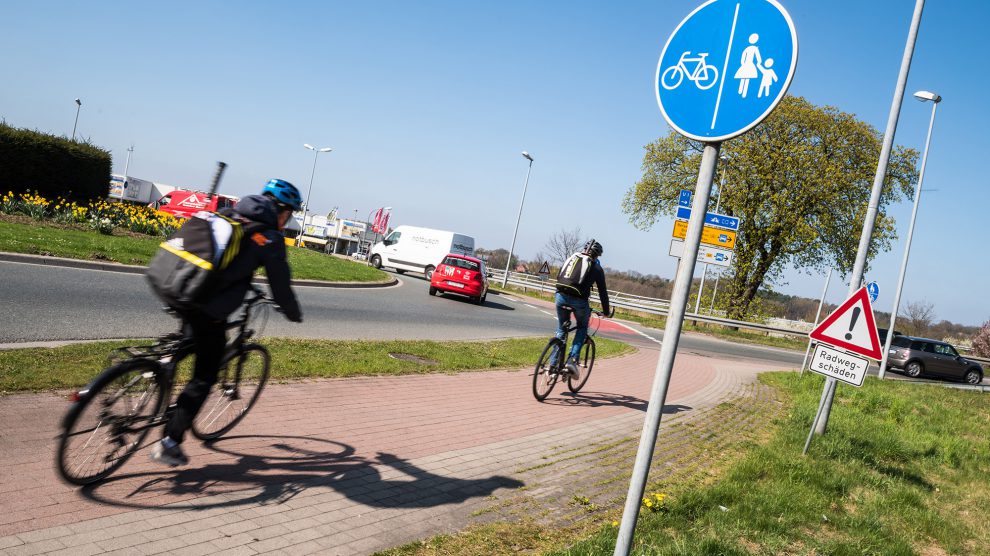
pixel 973 376
pixel 376 261
pixel 429 272
pixel 400 271
pixel 433 291
pixel 914 369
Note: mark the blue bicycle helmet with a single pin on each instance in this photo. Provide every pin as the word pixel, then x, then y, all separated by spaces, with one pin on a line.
pixel 284 192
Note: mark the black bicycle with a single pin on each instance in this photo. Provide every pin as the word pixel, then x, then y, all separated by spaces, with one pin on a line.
pixel 550 366
pixel 111 416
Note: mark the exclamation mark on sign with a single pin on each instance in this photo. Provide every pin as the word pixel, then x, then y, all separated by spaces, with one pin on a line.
pixel 852 323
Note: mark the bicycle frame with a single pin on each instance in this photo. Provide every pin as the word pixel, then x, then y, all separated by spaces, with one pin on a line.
pixel 169 350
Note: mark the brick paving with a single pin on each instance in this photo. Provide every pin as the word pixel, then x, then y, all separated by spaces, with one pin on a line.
pixel 352 466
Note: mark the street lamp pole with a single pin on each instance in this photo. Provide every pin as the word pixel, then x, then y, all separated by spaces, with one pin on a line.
pixel 127 163
pixel 508 262
pixel 316 155
pixel 923 96
pixel 78 106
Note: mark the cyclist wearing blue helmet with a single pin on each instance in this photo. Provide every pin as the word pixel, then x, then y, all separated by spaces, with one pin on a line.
pixel 263 218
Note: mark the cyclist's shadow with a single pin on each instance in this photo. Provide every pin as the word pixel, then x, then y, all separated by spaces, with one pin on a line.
pixel 272 473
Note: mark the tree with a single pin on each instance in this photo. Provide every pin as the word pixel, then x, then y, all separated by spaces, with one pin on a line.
pixel 562 244
pixel 981 342
pixel 800 182
pixel 495 258
pixel 920 315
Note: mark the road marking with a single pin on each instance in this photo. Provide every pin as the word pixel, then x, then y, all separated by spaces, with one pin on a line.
pixel 530 306
pixel 547 313
pixel 643 334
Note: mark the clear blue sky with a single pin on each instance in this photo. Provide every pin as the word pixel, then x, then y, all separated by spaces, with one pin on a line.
pixel 428 104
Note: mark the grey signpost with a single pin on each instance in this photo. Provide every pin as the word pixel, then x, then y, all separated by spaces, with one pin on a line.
pixel 828 393
pixel 702 87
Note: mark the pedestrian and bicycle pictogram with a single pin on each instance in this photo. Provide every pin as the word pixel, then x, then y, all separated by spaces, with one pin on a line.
pixel 725 67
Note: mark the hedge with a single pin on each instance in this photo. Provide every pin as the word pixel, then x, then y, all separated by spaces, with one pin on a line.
pixel 52 166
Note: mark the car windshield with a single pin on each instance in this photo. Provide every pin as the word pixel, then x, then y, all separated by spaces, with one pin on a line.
pixel 461 263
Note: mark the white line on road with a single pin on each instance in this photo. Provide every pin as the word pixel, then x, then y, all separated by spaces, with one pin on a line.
pixel 643 334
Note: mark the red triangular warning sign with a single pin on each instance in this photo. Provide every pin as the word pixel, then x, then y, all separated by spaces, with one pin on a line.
pixel 545 269
pixel 851 327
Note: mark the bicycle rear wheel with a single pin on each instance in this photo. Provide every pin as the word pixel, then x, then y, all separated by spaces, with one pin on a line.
pixel 586 360
pixel 109 421
pixel 237 389
pixel 545 375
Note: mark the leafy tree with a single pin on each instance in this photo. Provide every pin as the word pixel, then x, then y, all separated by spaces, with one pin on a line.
pixel 800 182
pixel 981 342
pixel 495 258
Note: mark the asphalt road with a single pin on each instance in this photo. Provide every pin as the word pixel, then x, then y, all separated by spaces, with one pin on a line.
pixel 46 303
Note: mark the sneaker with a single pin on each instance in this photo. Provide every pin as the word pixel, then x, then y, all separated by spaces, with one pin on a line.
pixel 572 367
pixel 168 456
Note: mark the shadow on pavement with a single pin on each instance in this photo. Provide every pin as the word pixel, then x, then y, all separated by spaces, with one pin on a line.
pixel 598 399
pixel 269 470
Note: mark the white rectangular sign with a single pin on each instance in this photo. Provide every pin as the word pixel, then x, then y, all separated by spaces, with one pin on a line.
pixel 706 253
pixel 839 365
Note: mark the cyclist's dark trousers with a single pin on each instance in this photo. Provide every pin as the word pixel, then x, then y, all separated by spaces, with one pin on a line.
pixel 209 339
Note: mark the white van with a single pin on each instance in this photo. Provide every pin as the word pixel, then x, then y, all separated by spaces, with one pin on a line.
pixel 419 249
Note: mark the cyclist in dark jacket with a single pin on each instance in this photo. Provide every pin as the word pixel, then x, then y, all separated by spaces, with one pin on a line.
pixel 578 273
pixel 263 246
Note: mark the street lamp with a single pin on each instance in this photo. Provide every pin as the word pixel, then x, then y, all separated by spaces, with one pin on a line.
pixel 316 154
pixel 508 262
pixel 923 96
pixel 78 106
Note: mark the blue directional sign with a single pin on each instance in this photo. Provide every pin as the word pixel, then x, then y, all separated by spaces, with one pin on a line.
pixel 725 67
pixel 874 290
pixel 684 199
pixel 711 219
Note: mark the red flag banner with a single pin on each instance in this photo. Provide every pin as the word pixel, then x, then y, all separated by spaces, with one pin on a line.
pixel 384 225
pixel 378 221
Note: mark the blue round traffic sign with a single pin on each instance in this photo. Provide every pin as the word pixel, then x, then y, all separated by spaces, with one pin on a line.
pixel 725 67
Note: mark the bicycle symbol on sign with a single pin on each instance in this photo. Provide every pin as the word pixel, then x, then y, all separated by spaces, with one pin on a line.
pixel 704 75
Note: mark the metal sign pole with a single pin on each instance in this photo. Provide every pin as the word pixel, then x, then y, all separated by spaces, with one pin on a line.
pixel 665 363
pixel 871 212
pixel 818 314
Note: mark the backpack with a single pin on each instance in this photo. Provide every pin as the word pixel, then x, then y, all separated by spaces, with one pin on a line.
pixel 572 274
pixel 187 264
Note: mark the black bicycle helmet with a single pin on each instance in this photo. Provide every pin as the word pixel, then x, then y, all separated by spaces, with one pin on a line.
pixel 593 248
pixel 284 193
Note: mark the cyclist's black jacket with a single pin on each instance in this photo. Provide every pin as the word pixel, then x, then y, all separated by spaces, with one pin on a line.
pixel 264 247
pixel 595 276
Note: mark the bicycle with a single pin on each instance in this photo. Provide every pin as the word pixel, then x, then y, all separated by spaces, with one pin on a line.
pixel 550 365
pixel 111 416
pixel 704 75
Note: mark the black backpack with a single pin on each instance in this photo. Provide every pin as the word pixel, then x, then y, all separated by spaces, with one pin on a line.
pixel 573 273
pixel 187 264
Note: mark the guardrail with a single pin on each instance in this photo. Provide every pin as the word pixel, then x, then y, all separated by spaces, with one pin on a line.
pixel 662 307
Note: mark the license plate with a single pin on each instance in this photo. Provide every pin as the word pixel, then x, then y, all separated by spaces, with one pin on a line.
pixel 455 284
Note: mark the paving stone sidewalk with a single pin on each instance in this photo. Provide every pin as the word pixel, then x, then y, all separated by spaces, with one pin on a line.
pixel 352 466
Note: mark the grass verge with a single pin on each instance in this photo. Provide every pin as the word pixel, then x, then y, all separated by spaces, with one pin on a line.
pixel 660 322
pixel 74 241
pixel 72 366
pixel 902 470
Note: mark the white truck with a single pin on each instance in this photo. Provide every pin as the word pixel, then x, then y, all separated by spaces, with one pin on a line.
pixel 419 249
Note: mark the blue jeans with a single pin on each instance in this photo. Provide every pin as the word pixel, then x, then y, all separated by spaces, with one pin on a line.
pixel 582 312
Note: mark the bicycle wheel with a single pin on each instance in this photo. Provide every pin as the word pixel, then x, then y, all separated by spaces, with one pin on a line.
pixel 237 389
pixel 545 375
pixel 671 77
pixel 110 420
pixel 707 77
pixel 586 360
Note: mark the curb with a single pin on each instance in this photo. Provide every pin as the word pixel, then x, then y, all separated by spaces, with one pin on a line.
pixel 135 269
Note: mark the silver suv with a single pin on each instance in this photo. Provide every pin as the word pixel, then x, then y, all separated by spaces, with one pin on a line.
pixel 918 356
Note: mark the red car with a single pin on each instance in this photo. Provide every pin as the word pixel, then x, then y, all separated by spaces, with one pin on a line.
pixel 461 274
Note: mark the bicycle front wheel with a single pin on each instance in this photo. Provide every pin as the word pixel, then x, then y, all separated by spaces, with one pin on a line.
pixel 586 360
pixel 109 421
pixel 545 374
pixel 237 389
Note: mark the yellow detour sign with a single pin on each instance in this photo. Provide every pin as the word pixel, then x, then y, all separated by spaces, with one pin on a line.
pixel 718 237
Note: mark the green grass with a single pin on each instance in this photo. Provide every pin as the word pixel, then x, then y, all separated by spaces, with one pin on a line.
pixel 902 470
pixel 72 366
pixel 77 242
pixel 660 322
